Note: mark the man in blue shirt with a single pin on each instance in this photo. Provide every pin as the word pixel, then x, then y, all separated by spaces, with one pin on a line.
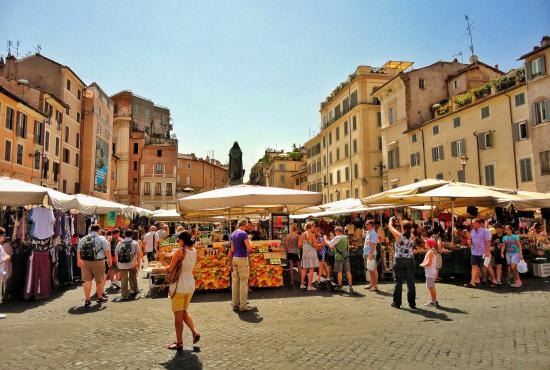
pixel 238 263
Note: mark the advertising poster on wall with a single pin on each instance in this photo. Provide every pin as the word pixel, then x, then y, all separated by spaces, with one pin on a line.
pixel 101 165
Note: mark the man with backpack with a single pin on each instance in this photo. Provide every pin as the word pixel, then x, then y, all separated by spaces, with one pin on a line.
pixel 114 274
pixel 93 249
pixel 126 254
pixel 339 244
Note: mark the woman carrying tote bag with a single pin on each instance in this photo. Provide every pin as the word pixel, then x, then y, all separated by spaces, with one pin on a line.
pixel 182 287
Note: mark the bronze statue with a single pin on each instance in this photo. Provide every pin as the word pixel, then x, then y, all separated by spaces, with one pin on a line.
pixel 236 172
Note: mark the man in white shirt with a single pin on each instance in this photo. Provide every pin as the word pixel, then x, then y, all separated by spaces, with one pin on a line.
pixel 4 258
pixel 151 242
pixel 369 254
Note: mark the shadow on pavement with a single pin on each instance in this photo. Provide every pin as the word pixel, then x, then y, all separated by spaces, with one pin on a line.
pixel 252 317
pixel 429 314
pixel 382 293
pixel 452 310
pixel 82 310
pixel 185 359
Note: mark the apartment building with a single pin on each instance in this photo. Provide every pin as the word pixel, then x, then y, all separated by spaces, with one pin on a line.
pixel 537 65
pixel 199 174
pixel 300 179
pixel 343 157
pixel 62 82
pixel 409 99
pixel 46 143
pixel 97 141
pixel 282 167
pixel 145 152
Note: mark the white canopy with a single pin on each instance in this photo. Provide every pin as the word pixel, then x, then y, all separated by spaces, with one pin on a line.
pixel 90 205
pixel 395 196
pixel 15 192
pixel 248 196
pixel 166 215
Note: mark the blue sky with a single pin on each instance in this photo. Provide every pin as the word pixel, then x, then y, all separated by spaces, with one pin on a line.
pixel 256 71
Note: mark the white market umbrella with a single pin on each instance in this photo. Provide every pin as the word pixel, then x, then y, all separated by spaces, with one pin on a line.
pixel 166 215
pixel 90 205
pixel 393 196
pixel 16 193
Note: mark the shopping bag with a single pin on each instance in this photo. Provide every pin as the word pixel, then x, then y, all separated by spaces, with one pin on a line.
pixel 522 267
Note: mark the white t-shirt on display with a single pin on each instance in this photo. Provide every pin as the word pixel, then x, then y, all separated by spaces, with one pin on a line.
pixel 43 222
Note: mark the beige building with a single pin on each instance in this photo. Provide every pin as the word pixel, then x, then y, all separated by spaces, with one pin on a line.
pixel 199 174
pixel 282 167
pixel 537 65
pixel 60 81
pixel 300 179
pixel 343 157
pixel 414 97
pixel 97 141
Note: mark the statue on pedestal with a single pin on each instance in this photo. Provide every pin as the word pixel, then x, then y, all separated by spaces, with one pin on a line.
pixel 236 171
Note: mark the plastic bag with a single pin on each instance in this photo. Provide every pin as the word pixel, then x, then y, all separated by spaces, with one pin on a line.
pixel 522 267
pixel 486 261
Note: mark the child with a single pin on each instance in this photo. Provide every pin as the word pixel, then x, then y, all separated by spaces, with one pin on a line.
pixel 429 265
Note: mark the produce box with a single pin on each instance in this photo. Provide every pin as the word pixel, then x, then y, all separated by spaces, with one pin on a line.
pixel 266 276
pixel 212 278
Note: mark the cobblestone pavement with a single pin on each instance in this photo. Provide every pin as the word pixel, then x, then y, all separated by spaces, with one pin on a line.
pixel 474 329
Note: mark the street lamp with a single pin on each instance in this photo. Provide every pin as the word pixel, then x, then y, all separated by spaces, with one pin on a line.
pixel 463 161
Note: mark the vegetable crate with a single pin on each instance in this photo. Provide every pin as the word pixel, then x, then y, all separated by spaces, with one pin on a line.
pixel 541 269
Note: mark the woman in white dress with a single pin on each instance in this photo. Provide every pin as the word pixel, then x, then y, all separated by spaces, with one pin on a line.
pixel 310 260
pixel 182 290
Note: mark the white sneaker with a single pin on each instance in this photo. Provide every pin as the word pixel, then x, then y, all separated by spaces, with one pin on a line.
pixel 302 286
pixel 311 288
pixel 2 316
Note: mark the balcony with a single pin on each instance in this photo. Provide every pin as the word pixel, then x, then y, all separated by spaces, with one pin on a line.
pixel 156 139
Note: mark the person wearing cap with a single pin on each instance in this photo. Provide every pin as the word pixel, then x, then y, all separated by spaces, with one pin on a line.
pixel 498 251
pixel 94 269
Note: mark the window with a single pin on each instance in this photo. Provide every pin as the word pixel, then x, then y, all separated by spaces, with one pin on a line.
pixel 486 140
pixel 356 193
pixel 545 162
pixel 353 99
pixel 135 184
pixel 48 109
pixel 282 167
pixel 338 177
pixel 421 83
pixel 19 154
pixel 47 142
pixel 347 193
pixel 147 113
pixel 346 151
pixel 354 146
pixel 346 128
pixel 354 123
pixel 461 176
pixel 66 156
pixel 330 138
pixel 77 160
pixel 525 170
pixel 55 168
pixel 330 179
pixel 147 188
pixel 356 171
pixel 58 117
pixel 520 131
pixel 345 105
pixel 393 158
pixel 541 112
pixel 455 84
pixel 535 67
pixel 485 112
pixel 282 179
pixel 337 154
pixel 188 165
pixel 415 159
pixel 413 138
pixel 67 132
pixel 57 146
pixel 435 130
pixel 77 187
pixel 458 148
pixel 188 180
pixel 337 133
pixel 7 151
pixel 159 169
pixel 437 153
pixel 78 139
pixel 490 175
pixel 37 138
pixel 378 119
pixel 169 188
pixel 380 143
pixel 21 129
pixel 78 95
pixel 439 176
pixel 64 186
pixel 346 171
pixel 392 116
pixel 78 117
pixel 136 148
pixel 330 158
pixel 159 153
pixel 324 142
pixel 520 99
pixel 68 84
pixel 337 112
pixel 135 163
pixel 9 118
pixel 456 122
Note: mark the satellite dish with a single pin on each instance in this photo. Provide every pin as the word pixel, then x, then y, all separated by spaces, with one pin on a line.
pixel 23 82
pixel 474 59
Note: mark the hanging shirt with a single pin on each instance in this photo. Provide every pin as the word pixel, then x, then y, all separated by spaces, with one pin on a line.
pixel 3 255
pixel 42 222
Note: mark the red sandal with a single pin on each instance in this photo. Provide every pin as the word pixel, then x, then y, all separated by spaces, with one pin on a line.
pixel 175 346
pixel 196 337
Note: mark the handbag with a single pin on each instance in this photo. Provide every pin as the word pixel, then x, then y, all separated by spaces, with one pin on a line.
pixel 174 275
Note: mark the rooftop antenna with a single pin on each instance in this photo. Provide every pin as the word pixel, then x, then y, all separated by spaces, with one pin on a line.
pixel 10 44
pixel 17 49
pixel 469 30
pixel 38 48
pixel 459 54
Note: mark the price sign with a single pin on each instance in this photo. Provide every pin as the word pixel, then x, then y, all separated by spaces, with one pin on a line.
pixel 211 251
pixel 275 261
pixel 263 250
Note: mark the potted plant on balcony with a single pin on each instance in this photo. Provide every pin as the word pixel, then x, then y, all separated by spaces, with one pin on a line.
pixel 504 82
pixel 464 99
pixel 481 91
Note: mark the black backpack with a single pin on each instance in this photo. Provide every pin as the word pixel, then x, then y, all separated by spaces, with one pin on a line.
pixel 87 251
pixel 125 254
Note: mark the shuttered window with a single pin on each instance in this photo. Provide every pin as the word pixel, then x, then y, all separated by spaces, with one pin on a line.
pixel 456 122
pixel 415 159
pixel 534 68
pixel 485 112
pixel 353 99
pixel 393 158
pixel 545 162
pixel 519 99
pixel 520 131
pixel 540 112
pixel 437 153
pixel 490 175
pixel 458 148
pixel 525 170
pixel 485 140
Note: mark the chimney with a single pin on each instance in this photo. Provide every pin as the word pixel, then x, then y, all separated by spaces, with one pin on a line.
pixel 496 66
pixel 10 69
pixel 545 41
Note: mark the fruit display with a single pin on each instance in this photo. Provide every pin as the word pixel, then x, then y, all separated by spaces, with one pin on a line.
pixel 212 278
pixel 264 246
pixel 264 276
